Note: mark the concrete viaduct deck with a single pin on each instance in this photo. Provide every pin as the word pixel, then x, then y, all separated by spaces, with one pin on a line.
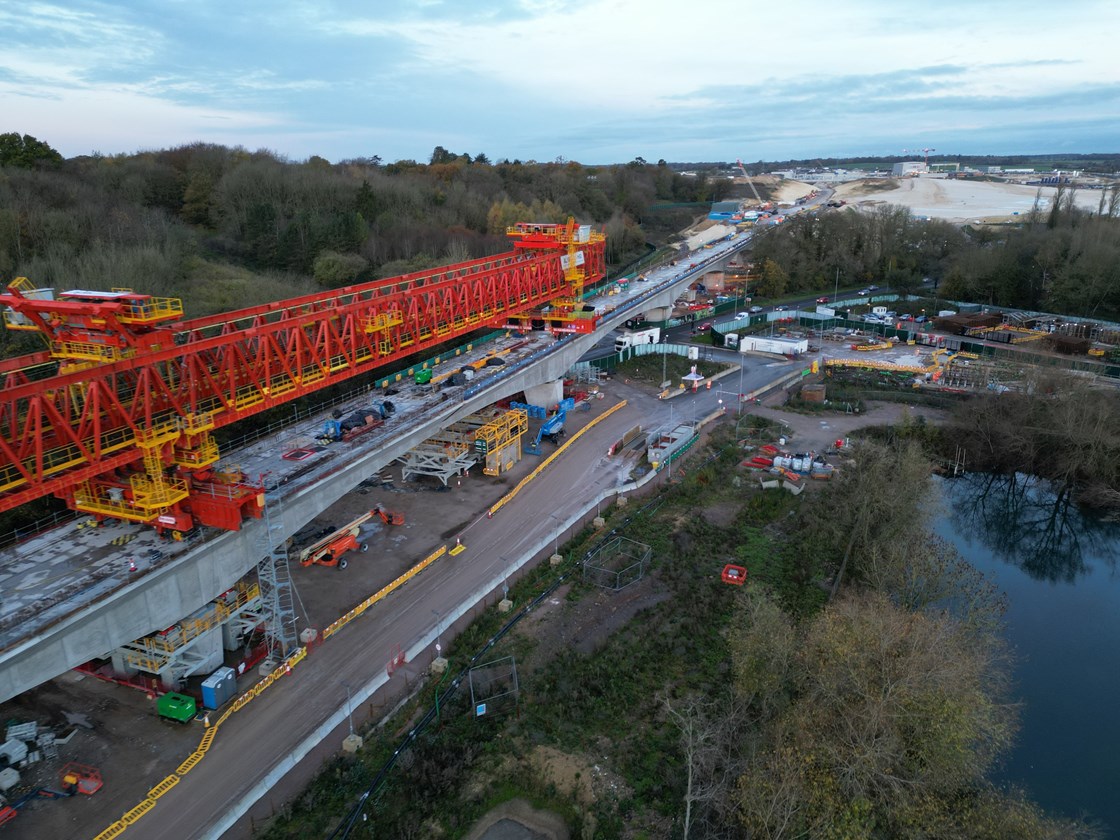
pixel 195 577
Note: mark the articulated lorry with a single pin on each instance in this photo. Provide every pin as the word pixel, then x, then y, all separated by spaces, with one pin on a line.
pixel 629 338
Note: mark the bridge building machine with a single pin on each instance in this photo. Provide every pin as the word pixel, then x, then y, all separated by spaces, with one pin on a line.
pixel 116 416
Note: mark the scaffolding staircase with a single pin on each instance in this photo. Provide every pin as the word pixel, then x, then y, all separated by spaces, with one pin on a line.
pixel 277 591
pixel 499 441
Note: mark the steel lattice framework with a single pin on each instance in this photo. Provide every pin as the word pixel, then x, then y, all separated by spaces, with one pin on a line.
pixel 120 427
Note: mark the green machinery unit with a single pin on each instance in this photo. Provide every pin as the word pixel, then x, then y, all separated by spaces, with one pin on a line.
pixel 178 707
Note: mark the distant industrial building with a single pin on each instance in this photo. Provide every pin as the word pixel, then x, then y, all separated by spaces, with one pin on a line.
pixel 909 168
pixel 722 211
pixel 831 176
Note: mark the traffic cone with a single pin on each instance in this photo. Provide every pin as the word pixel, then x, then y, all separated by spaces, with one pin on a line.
pixel 131 564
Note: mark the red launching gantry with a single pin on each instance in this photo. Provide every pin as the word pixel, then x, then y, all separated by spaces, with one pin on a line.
pixel 116 416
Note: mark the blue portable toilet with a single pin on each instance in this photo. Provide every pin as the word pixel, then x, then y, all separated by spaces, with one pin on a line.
pixel 219 688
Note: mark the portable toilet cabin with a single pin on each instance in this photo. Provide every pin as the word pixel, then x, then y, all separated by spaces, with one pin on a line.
pixel 219 688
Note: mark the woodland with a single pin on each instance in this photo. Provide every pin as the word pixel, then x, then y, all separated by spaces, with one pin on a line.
pixel 224 228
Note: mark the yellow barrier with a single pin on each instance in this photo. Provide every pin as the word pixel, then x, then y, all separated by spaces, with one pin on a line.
pixel 163 787
pixel 140 810
pixel 872 364
pixel 498 505
pixel 191 761
pixel 337 625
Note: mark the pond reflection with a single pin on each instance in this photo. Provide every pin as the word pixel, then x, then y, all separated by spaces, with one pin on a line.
pixel 1026 522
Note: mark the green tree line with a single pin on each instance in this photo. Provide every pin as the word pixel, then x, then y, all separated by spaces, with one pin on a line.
pixel 194 220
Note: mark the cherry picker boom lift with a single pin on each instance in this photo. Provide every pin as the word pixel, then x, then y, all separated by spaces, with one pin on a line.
pixel 328 551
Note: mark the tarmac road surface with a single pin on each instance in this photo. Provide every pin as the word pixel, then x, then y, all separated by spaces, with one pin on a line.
pixel 259 738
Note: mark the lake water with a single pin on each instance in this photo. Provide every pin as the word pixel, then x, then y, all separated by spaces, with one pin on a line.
pixel 1061 575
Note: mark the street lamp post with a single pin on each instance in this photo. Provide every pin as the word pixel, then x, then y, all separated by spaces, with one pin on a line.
pixel 349 713
pixel 439 620
pixel 555 535
pixel 742 367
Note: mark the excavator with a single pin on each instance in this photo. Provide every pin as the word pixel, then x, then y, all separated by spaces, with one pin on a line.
pixel 329 550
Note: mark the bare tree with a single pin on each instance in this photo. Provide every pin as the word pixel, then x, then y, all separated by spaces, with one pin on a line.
pixel 700 742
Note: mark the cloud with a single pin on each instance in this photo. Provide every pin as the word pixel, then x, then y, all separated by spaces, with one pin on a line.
pixel 46 42
pixel 111 121
pixel 541 78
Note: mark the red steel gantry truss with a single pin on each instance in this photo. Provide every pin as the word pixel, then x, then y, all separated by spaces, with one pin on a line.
pixel 120 426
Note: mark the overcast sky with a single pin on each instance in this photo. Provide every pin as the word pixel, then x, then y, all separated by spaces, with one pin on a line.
pixel 597 81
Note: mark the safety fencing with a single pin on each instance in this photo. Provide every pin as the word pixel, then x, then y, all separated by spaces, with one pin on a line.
pixel 282 670
pixel 875 364
pixel 502 502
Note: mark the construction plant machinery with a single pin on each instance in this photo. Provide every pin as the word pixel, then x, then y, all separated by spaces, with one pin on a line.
pixel 117 414
pixel 552 428
pixel 762 204
pixel 329 550
pixel 73 779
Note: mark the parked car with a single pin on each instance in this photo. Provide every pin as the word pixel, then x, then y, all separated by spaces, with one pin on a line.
pixel 822 299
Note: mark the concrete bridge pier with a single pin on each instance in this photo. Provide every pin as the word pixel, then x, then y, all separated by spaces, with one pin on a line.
pixel 547 394
pixel 120 664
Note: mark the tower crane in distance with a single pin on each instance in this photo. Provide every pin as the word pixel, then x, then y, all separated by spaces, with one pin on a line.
pixel 750 183
pixel 923 151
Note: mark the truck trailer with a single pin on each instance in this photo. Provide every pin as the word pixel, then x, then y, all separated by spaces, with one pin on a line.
pixel 630 338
